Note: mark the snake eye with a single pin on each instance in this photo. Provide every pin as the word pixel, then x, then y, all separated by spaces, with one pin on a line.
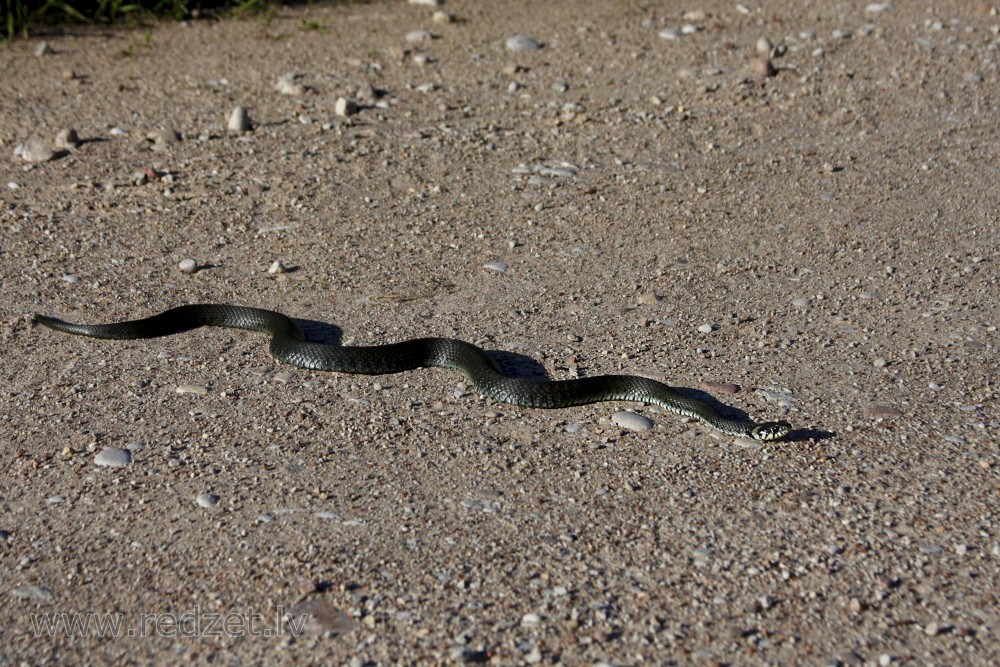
pixel 772 431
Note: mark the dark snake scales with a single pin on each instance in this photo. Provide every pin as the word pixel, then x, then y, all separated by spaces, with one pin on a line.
pixel 288 346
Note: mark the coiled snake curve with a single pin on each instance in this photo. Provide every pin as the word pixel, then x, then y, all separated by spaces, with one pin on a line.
pixel 288 345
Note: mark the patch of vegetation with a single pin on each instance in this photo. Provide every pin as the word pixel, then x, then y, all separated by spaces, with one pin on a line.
pixel 20 16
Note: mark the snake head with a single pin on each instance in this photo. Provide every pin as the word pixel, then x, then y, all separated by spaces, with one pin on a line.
pixel 771 431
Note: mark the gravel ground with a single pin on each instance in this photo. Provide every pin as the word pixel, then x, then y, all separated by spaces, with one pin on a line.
pixel 655 190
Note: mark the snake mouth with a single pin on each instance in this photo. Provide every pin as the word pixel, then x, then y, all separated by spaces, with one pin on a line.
pixel 772 431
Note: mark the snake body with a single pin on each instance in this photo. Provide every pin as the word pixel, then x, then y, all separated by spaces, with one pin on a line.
pixel 288 345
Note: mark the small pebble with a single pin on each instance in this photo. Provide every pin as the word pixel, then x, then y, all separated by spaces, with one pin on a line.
pixel 632 421
pixel 188 265
pixel 416 36
pixel 32 592
pixel 13 185
pixel 345 107
pixel 367 92
pixel 71 278
pixel 521 42
pixel 43 49
pixel 530 620
pixel 284 376
pixel 885 660
pixel 671 33
pixel 207 500
pixel 764 46
pixel 198 389
pixel 113 457
pixel 500 267
pixel 762 67
pixel 706 328
pixel 36 150
pixel 239 120
pixel 320 618
pixel 276 268
pixel 118 132
pixel 443 17
pixel 67 138
pixel 286 86
pixel 719 387
pixel 932 629
pixel 162 137
pixel 884 411
pixel 426 3
pixel 880 363
pixel 801 303
pixel 878 7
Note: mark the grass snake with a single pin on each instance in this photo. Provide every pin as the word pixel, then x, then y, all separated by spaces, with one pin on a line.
pixel 288 345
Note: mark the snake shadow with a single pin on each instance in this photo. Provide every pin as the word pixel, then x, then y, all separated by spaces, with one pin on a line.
pixel 522 366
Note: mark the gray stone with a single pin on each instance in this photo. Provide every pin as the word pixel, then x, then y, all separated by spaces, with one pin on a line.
pixel 113 457
pixel 521 42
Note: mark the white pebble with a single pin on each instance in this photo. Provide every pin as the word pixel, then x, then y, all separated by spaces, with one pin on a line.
pixel 188 265
pixel 496 266
pixel 345 107
pixel 885 660
pixel 113 457
pixel 118 132
pixel 239 120
pixel 801 303
pixel 530 620
pixel 878 7
pixel 207 500
pixel 670 33
pixel 33 592
pixel 35 150
pixel 764 46
pixel 706 328
pixel 43 49
pixel 289 87
pixel 880 363
pixel 198 389
pixel 426 3
pixel 521 42
pixel 72 279
pixel 443 17
pixel 67 138
pixel 632 421
pixel 415 36
pixel 277 267
pixel 13 185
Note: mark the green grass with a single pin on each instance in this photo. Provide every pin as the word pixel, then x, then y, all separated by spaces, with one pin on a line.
pixel 21 16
